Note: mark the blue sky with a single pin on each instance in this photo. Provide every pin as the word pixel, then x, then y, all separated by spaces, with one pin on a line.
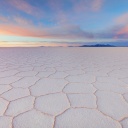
pixel 63 21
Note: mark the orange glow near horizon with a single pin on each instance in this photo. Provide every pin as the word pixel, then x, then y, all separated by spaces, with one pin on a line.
pixel 31 44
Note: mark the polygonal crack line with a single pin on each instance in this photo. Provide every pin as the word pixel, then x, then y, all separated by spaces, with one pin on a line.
pixel 34 84
pixel 17 73
pixel 110 91
pixel 123 98
pixel 16 80
pixel 79 107
pixel 59 115
pixel 15 99
pixel 68 93
pixel 96 89
pixel 123 119
pixel 37 73
pixel 65 87
pixel 21 112
pixel 51 74
pixel 103 112
pixel 122 81
pixel 6 107
pixel 83 108
pixel 50 94
pixel 8 76
pixel 110 72
pixel 7 90
pixel 68 100
pixel 96 98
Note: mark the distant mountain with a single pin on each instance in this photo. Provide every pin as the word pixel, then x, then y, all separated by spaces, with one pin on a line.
pixel 98 45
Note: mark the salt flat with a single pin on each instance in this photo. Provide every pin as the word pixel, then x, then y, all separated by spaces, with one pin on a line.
pixel 60 87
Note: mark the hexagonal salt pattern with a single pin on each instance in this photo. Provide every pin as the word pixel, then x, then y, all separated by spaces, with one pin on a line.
pixel 33 119
pixel 26 82
pixel 82 100
pixel 81 118
pixel 79 88
pixel 58 102
pixel 9 80
pixel 63 87
pixel 4 88
pixel 112 104
pixel 47 86
pixel 81 78
pixel 125 123
pixel 5 122
pixel 15 93
pixel 19 106
pixel 3 106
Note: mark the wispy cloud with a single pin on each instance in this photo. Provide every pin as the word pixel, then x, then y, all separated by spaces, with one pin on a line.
pixel 3 19
pixel 122 21
pixel 87 5
pixel 66 31
pixel 97 4
pixel 26 7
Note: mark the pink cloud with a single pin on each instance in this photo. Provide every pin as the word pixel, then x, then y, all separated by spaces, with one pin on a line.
pixel 3 19
pixel 97 4
pixel 21 21
pixel 123 19
pixel 60 32
pixel 123 32
pixel 22 5
pixel 87 5
pixel 123 22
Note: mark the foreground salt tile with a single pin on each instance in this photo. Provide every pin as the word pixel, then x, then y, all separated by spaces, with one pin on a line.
pixel 33 119
pixel 8 73
pixel 39 68
pixel 52 104
pixel 3 106
pixel 58 75
pixel 19 106
pixel 79 88
pixel 5 122
pixel 111 80
pixel 26 82
pixel 28 73
pixel 45 74
pixel 4 88
pixel 112 104
pixel 82 118
pixel 81 78
pixel 9 80
pixel 82 100
pixel 125 80
pixel 25 69
pixel 113 87
pixel 91 69
pixel 15 93
pixel 97 73
pixel 62 68
pixel 119 73
pixel 47 86
pixel 75 72
pixel 49 69
pixel 126 97
pixel 125 123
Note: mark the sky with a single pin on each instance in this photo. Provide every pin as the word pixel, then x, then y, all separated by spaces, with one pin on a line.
pixel 63 22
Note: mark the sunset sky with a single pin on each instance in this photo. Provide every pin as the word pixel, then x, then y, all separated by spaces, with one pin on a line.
pixel 65 22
